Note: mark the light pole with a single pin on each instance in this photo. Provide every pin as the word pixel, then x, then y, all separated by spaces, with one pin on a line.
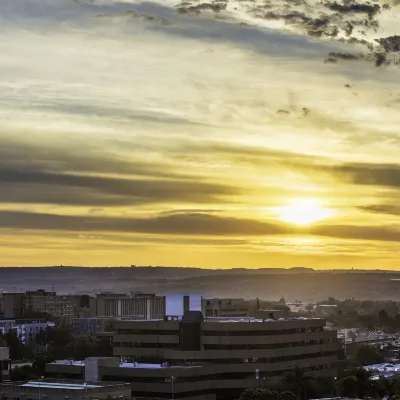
pixel 40 381
pixel 85 384
pixel 336 386
pixel 172 388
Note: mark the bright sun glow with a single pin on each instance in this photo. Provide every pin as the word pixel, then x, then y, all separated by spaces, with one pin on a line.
pixel 303 212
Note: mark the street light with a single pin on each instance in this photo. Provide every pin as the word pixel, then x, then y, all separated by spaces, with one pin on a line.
pixel 40 381
pixel 336 386
pixel 263 382
pixel 172 388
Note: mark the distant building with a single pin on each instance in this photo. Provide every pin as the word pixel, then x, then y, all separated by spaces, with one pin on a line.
pixel 228 307
pixel 62 389
pixel 145 306
pixel 26 305
pixel 25 330
pixel 142 305
pixel 89 326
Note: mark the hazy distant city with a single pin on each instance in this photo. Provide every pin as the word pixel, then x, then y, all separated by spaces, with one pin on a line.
pixel 302 284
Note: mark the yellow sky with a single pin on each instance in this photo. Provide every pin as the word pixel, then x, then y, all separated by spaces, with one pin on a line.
pixel 192 139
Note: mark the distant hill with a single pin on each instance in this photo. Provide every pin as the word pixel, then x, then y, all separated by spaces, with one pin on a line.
pixel 300 283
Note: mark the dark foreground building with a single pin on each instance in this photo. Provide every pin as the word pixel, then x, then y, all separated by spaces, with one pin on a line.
pixel 214 358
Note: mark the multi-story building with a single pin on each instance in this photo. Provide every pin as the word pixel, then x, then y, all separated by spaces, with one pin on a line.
pixel 25 330
pixel 215 357
pixel 145 306
pixel 25 305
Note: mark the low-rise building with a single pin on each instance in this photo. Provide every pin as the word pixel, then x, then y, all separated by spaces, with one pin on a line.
pixel 64 389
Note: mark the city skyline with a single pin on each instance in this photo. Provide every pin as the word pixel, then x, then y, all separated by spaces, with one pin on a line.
pixel 132 133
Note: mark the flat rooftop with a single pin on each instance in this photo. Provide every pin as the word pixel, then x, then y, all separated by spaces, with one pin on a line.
pixel 230 319
pixel 259 320
pixel 123 364
pixel 384 367
pixel 155 366
pixel 59 385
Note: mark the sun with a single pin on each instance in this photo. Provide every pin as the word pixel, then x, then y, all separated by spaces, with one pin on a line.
pixel 303 212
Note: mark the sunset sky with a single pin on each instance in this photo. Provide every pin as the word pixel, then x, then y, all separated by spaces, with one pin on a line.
pixel 134 133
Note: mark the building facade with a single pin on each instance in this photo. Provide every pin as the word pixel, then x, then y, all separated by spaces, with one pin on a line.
pixel 26 305
pixel 144 306
pixel 25 330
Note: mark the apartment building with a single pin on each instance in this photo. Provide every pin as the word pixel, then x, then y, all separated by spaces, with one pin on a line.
pixel 213 358
pixel 25 330
pixel 141 305
pixel 23 305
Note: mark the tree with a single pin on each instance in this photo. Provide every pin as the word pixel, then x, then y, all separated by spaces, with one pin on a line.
pixel 384 319
pixel 109 325
pixel 18 351
pixel 287 396
pixel 367 355
pixel 262 394
pixel 357 384
pixel 298 382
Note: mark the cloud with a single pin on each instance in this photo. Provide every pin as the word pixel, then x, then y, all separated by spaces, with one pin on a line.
pixel 388 209
pixel 29 186
pixel 197 224
pixel 178 224
pixel 379 233
pixel 373 174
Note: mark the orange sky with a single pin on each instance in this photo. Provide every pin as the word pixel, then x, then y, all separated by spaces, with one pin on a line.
pixel 192 141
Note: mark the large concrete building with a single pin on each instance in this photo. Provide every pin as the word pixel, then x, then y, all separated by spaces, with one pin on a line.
pixel 25 305
pixel 144 306
pixel 61 390
pixel 212 358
